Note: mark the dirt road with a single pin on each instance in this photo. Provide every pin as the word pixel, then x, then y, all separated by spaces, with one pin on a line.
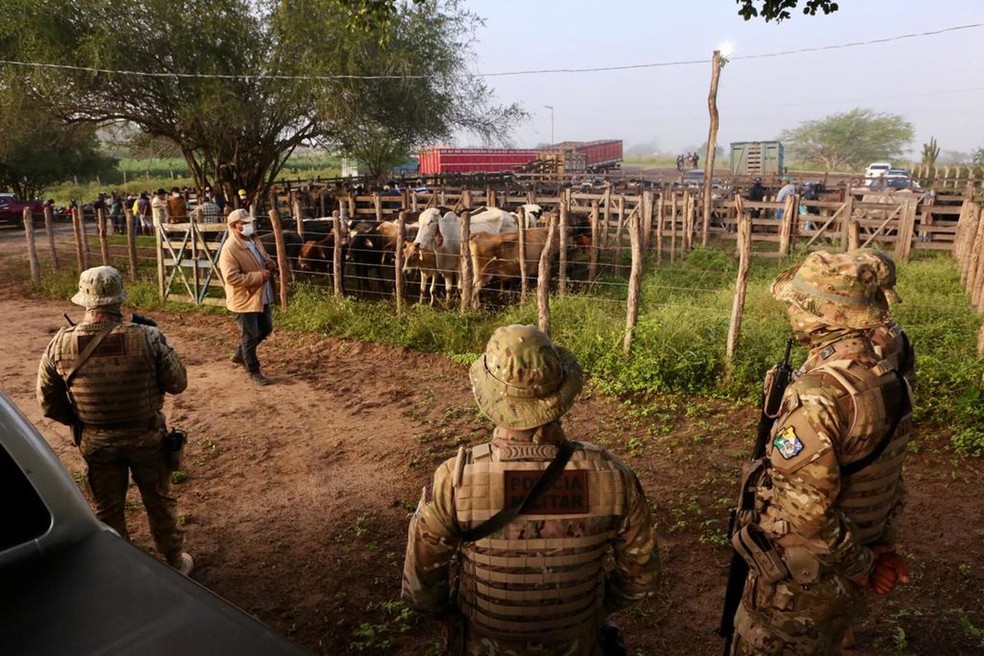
pixel 296 496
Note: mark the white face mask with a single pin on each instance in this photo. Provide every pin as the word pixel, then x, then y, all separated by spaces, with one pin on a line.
pixel 248 229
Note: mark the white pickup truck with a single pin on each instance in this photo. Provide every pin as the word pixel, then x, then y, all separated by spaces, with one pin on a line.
pixel 70 585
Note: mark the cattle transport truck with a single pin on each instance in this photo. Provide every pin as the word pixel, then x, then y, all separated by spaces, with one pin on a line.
pixel 597 156
pixel 473 160
pixel 756 158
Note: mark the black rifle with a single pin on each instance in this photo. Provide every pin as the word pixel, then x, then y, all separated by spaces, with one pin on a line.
pixel 776 381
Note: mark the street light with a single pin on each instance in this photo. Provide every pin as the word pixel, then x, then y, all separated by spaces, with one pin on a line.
pixel 550 107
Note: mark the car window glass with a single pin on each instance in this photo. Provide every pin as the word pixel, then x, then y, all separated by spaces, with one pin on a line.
pixel 26 516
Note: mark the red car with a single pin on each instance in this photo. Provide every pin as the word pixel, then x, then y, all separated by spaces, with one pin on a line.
pixel 12 210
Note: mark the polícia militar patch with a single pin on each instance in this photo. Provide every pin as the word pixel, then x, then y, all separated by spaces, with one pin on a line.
pixel 787 443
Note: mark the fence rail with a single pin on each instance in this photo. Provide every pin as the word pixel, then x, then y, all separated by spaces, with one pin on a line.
pixel 608 239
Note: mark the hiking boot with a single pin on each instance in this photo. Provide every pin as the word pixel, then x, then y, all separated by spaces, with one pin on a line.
pixel 237 359
pixel 258 378
pixel 184 563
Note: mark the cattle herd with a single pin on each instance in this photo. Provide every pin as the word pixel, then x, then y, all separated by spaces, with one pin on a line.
pixel 431 249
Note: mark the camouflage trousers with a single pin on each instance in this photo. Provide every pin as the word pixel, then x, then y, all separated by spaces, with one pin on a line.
pixel 108 469
pixel 792 619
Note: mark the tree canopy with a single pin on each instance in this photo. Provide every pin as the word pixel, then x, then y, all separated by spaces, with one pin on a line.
pixel 38 149
pixel 778 10
pixel 848 141
pixel 239 84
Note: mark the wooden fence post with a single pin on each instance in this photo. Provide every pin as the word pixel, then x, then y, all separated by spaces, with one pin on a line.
pixel 401 221
pixel 907 223
pixel 635 280
pixel 595 244
pixel 608 215
pixel 103 243
pixel 298 217
pixel 466 272
pixel 786 226
pixel 565 200
pixel 618 231
pixel 975 260
pixel 377 203
pixel 543 280
pixel 660 217
pixel 278 237
pixel 647 219
pixel 847 220
pixel 79 237
pixel 522 254
pixel 49 228
pixel 741 284
pixel 337 266
pixel 853 235
pixel 131 242
pixel 159 236
pixel 32 249
pixel 673 229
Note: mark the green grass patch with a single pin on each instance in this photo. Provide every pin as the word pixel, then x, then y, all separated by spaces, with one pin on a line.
pixel 680 338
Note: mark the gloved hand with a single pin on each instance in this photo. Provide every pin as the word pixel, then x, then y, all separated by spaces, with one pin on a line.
pixel 888 571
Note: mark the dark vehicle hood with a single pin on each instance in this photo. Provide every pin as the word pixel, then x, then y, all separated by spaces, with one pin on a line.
pixel 104 596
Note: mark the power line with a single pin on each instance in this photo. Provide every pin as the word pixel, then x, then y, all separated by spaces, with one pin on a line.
pixel 542 71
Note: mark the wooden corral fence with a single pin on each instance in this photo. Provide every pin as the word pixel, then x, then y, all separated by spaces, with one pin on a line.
pixel 969 252
pixel 603 238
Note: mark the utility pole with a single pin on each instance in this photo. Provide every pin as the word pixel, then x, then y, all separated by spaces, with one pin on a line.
pixel 550 107
pixel 717 62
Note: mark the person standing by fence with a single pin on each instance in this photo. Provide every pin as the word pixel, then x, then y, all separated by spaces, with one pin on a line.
pixel 247 269
pixel 756 194
pixel 820 524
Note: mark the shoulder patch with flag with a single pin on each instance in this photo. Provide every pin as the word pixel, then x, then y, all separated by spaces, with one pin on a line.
pixel 787 443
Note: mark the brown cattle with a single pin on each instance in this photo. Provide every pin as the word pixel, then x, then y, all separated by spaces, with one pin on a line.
pixel 498 255
pixel 317 256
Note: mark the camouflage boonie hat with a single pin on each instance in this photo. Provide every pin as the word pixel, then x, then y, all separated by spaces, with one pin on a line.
pixel 98 287
pixel 884 268
pixel 524 380
pixel 840 290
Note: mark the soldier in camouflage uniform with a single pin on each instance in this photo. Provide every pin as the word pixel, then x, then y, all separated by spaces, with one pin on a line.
pixel 889 339
pixel 829 492
pixel 538 585
pixel 117 395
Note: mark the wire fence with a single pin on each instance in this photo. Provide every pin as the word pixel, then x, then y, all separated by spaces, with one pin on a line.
pixel 598 248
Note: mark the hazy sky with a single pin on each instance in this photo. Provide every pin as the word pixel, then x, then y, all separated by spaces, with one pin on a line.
pixel 936 82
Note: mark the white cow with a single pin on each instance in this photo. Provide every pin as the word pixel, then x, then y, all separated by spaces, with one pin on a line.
pixel 436 251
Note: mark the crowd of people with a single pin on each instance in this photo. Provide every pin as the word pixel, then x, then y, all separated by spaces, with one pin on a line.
pixel 687 161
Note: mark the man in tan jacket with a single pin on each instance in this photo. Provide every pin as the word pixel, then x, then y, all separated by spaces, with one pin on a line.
pixel 246 268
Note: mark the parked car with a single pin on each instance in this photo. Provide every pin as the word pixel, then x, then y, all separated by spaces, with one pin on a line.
pixel 71 585
pixel 875 170
pixel 12 210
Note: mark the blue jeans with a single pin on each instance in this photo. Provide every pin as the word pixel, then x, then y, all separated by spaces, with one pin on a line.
pixel 254 328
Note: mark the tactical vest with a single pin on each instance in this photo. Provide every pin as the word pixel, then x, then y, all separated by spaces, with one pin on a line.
pixel 541 576
pixel 892 344
pixel 117 385
pixel 875 398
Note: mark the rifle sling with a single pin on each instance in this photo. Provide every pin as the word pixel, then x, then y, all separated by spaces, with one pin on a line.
pixel 564 452
pixel 854 467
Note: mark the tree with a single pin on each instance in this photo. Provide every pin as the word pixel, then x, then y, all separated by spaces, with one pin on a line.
pixel 977 157
pixel 778 10
pixel 930 152
pixel 850 140
pixel 239 84
pixel 38 149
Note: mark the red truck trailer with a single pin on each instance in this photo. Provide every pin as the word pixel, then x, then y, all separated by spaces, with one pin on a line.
pixel 473 160
pixel 600 155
